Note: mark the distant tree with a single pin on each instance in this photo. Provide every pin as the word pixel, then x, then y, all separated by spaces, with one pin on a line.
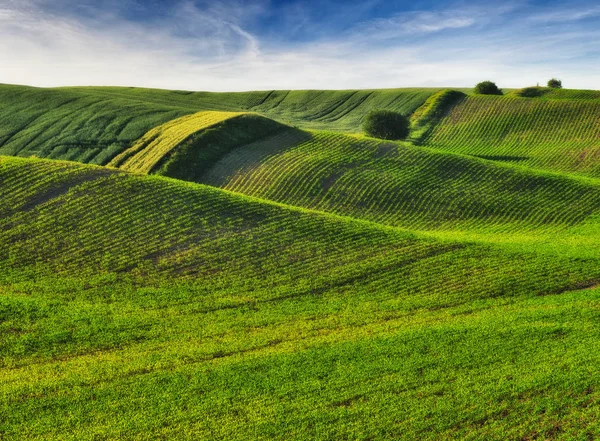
pixel 386 124
pixel 487 88
pixel 555 84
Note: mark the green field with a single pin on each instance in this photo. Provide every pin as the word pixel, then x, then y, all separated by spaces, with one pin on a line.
pixel 241 266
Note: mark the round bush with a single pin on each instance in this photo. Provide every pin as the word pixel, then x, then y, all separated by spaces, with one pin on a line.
pixel 487 88
pixel 555 84
pixel 386 124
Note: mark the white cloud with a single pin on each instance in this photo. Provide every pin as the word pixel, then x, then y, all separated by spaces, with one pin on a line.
pixel 210 48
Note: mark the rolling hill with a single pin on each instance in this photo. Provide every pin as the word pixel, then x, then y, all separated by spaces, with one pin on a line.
pixel 391 183
pixel 141 307
pixel 194 265
pixel 93 125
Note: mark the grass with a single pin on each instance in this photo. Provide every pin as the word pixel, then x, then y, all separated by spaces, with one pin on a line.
pixel 323 285
pixel 140 307
pixel 158 143
pixel 553 134
pixel 405 186
pixel 184 148
pixel 73 125
pixel 557 94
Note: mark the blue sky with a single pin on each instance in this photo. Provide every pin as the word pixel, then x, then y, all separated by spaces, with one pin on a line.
pixel 280 44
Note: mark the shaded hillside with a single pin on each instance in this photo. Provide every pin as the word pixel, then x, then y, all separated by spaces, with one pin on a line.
pixel 185 147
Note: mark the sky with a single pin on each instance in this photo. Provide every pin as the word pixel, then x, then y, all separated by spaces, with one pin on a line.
pixel 232 45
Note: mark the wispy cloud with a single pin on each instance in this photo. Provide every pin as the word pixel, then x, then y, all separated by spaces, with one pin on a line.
pixel 414 23
pixel 565 14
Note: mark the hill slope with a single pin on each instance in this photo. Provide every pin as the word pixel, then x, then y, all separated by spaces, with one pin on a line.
pixel 394 183
pixel 553 134
pixel 193 142
pixel 138 307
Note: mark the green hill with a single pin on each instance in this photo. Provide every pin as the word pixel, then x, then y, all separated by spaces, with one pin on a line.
pixel 553 134
pixel 340 110
pixel 247 267
pixel 93 125
pixel 140 307
pixel 557 94
pixel 390 183
pixel 187 145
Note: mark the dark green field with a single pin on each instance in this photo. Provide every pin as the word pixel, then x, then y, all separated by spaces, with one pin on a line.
pixel 170 271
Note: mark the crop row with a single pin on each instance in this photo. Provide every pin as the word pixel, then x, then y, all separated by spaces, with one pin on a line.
pixel 128 302
pixel 69 124
pixel 186 229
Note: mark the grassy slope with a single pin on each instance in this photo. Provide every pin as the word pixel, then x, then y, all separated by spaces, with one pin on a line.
pixel 558 134
pixel 407 186
pixel 72 124
pixel 93 125
pixel 140 307
pixel 185 147
pixel 557 94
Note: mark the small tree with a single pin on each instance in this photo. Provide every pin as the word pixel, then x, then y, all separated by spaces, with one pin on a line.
pixel 487 88
pixel 555 84
pixel 386 124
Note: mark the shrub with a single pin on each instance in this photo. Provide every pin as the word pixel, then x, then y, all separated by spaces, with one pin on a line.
pixel 386 124
pixel 532 92
pixel 555 83
pixel 487 88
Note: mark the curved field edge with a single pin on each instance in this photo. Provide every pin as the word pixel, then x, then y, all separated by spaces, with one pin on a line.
pixel 185 147
pixel 151 148
pixel 137 307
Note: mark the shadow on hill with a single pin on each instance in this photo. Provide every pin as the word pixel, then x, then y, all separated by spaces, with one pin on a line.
pixel 436 107
pixel 200 152
pixel 503 158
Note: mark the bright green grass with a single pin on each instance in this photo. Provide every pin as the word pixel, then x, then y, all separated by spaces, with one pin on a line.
pixel 137 307
pixel 160 142
pixel 185 147
pixel 554 134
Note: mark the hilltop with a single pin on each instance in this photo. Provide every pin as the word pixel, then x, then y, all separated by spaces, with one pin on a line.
pixel 93 125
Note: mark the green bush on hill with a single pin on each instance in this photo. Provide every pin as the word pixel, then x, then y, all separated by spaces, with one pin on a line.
pixel 531 92
pixel 487 88
pixel 555 83
pixel 386 124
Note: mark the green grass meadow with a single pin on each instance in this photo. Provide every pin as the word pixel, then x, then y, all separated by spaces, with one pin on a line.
pixel 248 266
